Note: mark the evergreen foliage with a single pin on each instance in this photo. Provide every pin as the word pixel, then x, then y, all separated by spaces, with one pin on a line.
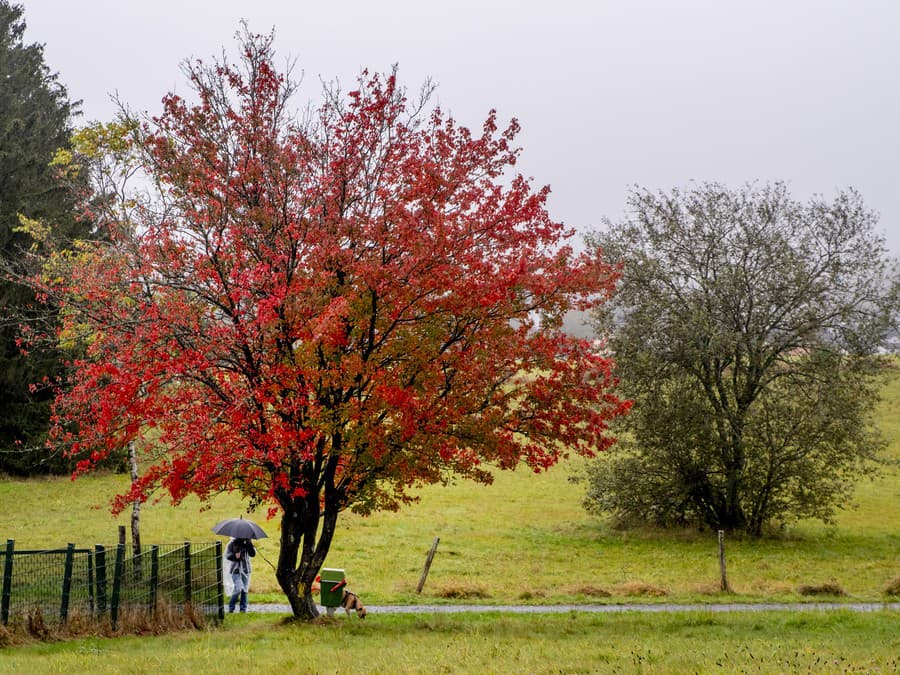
pixel 35 118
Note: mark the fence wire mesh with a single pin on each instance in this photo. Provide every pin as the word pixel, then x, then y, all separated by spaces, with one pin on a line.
pixel 106 581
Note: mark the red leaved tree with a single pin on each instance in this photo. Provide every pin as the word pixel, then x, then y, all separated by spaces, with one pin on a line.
pixel 323 311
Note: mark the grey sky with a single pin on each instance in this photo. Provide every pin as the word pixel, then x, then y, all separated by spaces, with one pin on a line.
pixel 609 94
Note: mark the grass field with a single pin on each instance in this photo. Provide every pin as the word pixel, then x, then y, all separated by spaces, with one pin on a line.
pixel 495 643
pixel 524 539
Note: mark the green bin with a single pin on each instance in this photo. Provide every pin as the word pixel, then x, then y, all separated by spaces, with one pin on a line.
pixel 331 586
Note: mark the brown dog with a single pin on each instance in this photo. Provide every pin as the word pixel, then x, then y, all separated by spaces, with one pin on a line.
pixel 350 601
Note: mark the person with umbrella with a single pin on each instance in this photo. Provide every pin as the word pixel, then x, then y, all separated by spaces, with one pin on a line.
pixel 239 551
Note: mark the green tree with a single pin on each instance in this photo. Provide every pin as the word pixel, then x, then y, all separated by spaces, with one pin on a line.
pixel 35 115
pixel 746 328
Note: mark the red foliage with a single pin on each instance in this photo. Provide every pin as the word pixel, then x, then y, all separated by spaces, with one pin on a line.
pixel 329 311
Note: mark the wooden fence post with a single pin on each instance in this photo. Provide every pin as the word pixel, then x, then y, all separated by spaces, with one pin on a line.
pixel 67 583
pixel 428 560
pixel 722 570
pixel 7 582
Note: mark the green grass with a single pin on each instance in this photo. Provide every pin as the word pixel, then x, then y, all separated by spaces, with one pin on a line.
pixel 524 538
pixel 498 643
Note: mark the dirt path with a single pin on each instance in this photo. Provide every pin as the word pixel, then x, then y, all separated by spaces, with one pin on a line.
pixel 610 609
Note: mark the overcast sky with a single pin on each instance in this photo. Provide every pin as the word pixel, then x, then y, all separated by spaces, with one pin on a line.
pixel 609 94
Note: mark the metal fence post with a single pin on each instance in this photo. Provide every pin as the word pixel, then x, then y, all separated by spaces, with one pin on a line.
pixel 220 581
pixel 154 576
pixel 7 582
pixel 67 583
pixel 112 595
pixel 117 584
pixel 100 558
pixel 187 574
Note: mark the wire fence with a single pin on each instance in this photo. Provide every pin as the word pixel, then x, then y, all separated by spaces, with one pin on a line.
pixel 104 582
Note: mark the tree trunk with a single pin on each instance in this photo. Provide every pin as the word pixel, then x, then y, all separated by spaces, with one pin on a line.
pixel 301 555
pixel 302 603
pixel 733 517
pixel 135 515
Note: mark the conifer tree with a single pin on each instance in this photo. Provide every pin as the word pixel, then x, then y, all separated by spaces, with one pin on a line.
pixel 35 122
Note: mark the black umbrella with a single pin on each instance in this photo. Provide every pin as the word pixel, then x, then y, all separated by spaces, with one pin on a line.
pixel 239 529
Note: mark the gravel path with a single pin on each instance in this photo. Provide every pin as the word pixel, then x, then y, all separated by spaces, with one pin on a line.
pixel 606 609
